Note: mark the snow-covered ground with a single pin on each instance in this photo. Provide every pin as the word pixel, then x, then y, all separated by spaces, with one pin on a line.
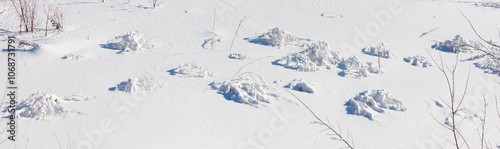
pixel 187 89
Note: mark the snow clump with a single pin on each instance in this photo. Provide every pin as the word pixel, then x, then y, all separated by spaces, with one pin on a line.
pixel 354 66
pixel 314 57
pixel 41 105
pixel 458 45
pixel 244 90
pixel 380 50
pixel 192 70
pixel 370 102
pixel 132 41
pixel 418 61
pixel 301 85
pixel 138 84
pixel 279 37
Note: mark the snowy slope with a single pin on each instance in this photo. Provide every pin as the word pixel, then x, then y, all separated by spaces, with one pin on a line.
pixel 186 112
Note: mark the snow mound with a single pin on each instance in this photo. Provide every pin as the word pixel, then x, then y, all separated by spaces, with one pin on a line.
pixel 354 66
pixel 192 70
pixel 73 56
pixel 210 43
pixel 314 57
pixel 490 65
pixel 458 45
pixel 41 105
pixel 138 84
pixel 301 85
pixel 132 41
pixel 418 61
pixel 237 56
pixel 279 37
pixel 370 102
pixel 380 50
pixel 245 91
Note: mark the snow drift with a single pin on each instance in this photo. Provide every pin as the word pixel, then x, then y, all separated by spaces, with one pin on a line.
pixel 315 56
pixel 237 56
pixel 458 45
pixel 192 70
pixel 380 50
pixel 138 84
pixel 356 67
pixel 301 85
pixel 279 37
pixel 41 105
pixel 370 102
pixel 244 90
pixel 132 41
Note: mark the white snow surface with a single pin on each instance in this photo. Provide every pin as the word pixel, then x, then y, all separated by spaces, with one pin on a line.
pixel 187 113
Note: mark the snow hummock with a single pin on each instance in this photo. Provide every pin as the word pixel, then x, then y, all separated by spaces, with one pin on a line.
pixel 380 50
pixel 245 90
pixel 73 56
pixel 237 56
pixel 41 105
pixel 370 102
pixel 356 67
pixel 279 37
pixel 192 70
pixel 458 45
pixel 301 85
pixel 418 61
pixel 138 84
pixel 132 41
pixel 315 56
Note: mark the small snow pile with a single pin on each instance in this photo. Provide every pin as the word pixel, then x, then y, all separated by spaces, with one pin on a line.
pixel 237 56
pixel 316 55
pixel 27 45
pixel 301 85
pixel 192 70
pixel 132 41
pixel 245 91
pixel 138 84
pixel 73 56
pixel 491 65
pixel 458 45
pixel 210 43
pixel 279 37
pixel 380 50
pixel 418 61
pixel 41 105
pixel 354 66
pixel 370 102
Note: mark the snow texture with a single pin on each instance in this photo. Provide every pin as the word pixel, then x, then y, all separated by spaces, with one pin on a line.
pixel 78 97
pixel 301 85
pixel 42 105
pixel 380 50
pixel 138 84
pixel 315 56
pixel 490 65
pixel 418 61
pixel 192 70
pixel 245 91
pixel 354 66
pixel 279 37
pixel 458 45
pixel 132 41
pixel 237 56
pixel 73 56
pixel 370 102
